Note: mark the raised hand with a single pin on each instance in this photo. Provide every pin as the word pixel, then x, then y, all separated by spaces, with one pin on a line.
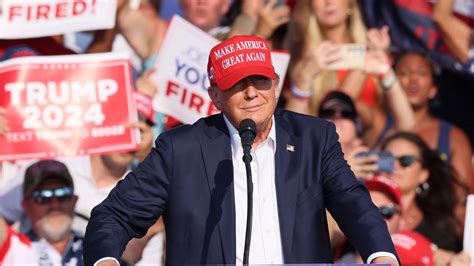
pixel 270 18
pixel 146 85
pixel 376 62
pixel 378 39
pixel 314 62
pixel 362 166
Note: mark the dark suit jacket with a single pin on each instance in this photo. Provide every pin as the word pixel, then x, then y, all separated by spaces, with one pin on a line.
pixel 188 178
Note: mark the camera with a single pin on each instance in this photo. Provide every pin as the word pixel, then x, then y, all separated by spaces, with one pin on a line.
pixel 385 163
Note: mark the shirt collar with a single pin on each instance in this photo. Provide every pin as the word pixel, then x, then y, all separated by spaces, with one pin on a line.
pixel 235 137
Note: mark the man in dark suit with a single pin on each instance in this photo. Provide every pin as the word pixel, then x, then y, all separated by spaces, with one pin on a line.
pixel 195 178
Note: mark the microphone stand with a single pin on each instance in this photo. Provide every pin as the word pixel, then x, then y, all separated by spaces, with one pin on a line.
pixel 247 158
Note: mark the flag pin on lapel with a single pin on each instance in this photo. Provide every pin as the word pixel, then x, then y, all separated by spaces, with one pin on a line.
pixel 290 147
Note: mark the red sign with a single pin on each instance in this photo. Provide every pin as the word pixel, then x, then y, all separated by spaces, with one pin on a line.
pixel 67 105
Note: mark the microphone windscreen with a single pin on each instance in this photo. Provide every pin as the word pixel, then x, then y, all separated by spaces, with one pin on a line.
pixel 247 125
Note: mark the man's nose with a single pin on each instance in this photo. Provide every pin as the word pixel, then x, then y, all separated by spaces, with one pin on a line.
pixel 250 91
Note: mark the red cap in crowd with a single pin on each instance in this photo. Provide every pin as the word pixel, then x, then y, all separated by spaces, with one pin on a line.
pixel 413 248
pixel 385 185
pixel 237 58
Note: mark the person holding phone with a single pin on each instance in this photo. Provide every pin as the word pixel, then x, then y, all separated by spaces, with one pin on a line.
pixel 318 35
pixel 339 108
pixel 428 198
pixel 261 18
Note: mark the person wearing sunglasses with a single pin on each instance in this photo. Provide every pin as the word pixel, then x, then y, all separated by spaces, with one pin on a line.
pixel 416 74
pixel 386 196
pixel 430 205
pixel 49 202
pixel 339 108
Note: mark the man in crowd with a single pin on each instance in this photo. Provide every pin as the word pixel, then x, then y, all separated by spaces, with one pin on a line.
pixel 49 203
pixel 195 178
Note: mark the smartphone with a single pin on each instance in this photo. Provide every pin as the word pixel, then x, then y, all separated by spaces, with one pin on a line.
pixel 353 56
pixel 385 163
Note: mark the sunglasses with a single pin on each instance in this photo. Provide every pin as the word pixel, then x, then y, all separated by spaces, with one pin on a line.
pixel 407 160
pixel 44 196
pixel 388 211
pixel 331 113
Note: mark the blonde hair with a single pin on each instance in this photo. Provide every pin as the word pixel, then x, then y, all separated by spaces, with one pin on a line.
pixel 306 35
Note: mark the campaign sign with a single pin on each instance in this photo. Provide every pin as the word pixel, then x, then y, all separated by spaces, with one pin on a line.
pixel 67 105
pixel 36 18
pixel 182 72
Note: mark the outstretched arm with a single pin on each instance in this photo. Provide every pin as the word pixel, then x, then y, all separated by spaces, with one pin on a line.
pixel 132 206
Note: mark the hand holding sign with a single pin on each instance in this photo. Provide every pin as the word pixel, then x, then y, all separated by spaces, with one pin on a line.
pixel 146 85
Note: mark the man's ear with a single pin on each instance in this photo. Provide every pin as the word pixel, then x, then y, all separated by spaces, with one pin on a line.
pixel 215 97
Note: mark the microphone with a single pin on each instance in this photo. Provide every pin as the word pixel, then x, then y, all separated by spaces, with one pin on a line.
pixel 247 132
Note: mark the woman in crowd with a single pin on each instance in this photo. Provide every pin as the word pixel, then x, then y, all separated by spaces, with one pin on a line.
pixel 416 76
pixel 427 186
pixel 318 31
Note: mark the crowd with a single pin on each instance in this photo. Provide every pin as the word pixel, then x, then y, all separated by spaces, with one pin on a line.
pixel 418 167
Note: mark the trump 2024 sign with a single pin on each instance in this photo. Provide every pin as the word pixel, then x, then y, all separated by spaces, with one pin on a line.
pixel 67 105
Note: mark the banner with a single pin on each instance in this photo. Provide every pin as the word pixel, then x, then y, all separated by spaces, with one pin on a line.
pixel 182 72
pixel 36 18
pixel 67 105
pixel 412 29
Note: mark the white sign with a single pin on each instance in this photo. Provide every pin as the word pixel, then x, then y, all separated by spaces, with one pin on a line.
pixel 182 72
pixel 469 228
pixel 36 18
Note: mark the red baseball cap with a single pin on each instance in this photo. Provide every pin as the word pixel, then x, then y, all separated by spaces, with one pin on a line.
pixel 413 248
pixel 237 58
pixel 385 185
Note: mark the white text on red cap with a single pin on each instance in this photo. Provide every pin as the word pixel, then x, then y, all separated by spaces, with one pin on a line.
pixel 234 47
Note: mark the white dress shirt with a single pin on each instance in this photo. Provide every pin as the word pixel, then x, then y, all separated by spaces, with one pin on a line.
pixel 265 245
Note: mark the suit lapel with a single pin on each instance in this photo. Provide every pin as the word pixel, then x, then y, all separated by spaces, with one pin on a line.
pixel 219 171
pixel 287 159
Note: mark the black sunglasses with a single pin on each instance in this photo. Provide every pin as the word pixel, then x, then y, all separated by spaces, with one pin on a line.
pixel 407 160
pixel 44 196
pixel 388 211
pixel 330 113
